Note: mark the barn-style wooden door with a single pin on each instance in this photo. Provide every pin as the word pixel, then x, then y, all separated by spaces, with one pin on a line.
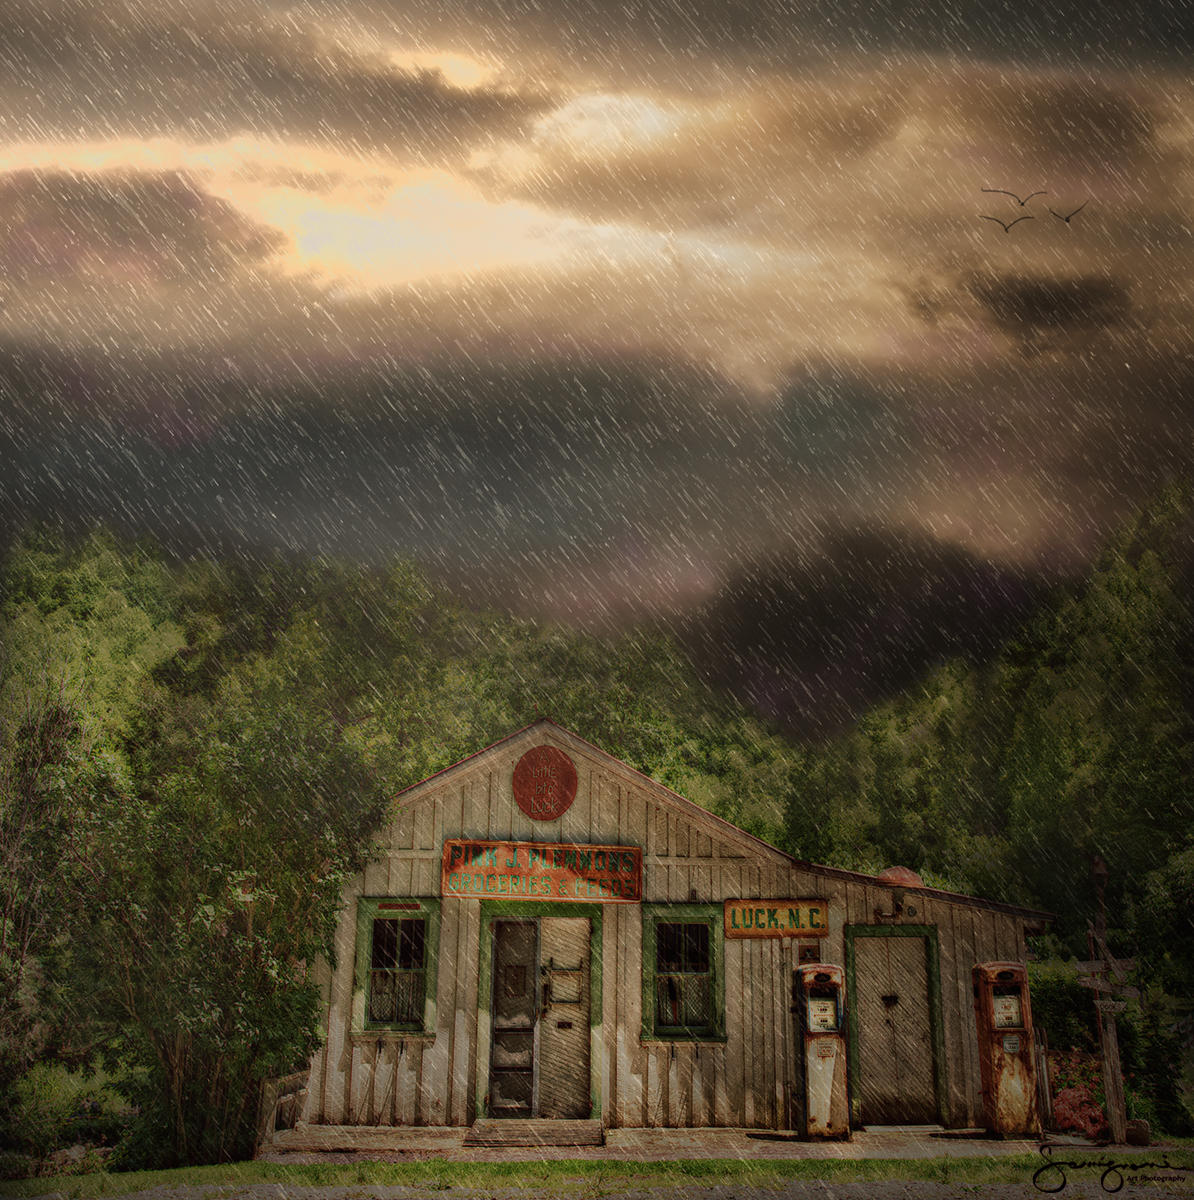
pixel 895 1073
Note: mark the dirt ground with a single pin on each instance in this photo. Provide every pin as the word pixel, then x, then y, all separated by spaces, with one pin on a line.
pixel 1086 1188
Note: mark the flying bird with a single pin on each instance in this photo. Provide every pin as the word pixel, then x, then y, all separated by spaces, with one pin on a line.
pixel 1004 192
pixel 1073 214
pixel 1006 226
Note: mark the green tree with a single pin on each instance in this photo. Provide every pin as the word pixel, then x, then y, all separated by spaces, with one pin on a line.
pixel 1100 749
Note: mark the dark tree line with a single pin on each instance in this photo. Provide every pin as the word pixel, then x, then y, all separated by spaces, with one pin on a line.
pixel 194 758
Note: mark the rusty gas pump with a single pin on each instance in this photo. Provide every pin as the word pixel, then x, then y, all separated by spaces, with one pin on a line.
pixel 1003 1015
pixel 821 1004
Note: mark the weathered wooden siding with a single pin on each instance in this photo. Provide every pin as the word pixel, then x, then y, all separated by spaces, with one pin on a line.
pixel 746 1080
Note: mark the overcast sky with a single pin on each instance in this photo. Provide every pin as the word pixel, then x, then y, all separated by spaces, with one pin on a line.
pixel 607 311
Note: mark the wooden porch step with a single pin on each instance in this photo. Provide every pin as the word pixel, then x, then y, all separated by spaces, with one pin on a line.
pixel 515 1132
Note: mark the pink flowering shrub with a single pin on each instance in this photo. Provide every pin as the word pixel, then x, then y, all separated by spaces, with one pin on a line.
pixel 1075 1111
pixel 1076 1081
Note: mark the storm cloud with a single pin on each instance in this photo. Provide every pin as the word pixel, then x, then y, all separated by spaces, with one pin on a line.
pixel 697 319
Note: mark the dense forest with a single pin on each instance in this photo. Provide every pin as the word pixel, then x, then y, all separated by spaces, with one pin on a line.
pixel 194 756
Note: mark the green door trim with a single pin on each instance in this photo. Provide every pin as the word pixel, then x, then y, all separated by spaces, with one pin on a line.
pixel 525 910
pixel 933 963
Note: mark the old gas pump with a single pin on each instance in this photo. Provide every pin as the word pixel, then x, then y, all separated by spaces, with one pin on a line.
pixel 1005 1051
pixel 820 1002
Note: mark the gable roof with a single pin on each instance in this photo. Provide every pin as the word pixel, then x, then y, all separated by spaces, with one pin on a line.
pixel 666 795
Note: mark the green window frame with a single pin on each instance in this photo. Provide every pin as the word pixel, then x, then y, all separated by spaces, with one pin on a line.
pixel 396 954
pixel 683 973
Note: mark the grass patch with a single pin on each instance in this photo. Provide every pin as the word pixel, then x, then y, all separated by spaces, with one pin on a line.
pixel 579 1178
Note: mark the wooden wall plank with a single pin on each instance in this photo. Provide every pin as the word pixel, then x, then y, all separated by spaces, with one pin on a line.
pixel 779 1013
pixel 1009 937
pixel 385 1059
pixel 475 818
pixel 360 1089
pixel 941 915
pixel 423 1107
pixel 406 1086
pixel 703 1065
pixel 403 827
pixel 339 1052
pixel 833 947
pixel 970 952
pixel 731 1088
pixel 313 1106
pixel 750 1041
pixel 610 937
pixel 427 822
pixel 437 1058
pixel 497 821
pixel 472 1002
pixel 522 828
pixel 632 1056
pixel 687 1058
pixel 761 985
pixel 457 1104
pixel 655 1095
pixel 464 1058
pixel 674 1113
pixel 603 826
pixel 401 876
pixel 656 886
pixel 377 876
pixel 584 807
pixel 679 881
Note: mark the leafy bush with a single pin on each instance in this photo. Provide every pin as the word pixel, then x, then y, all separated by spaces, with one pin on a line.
pixel 1061 1006
pixel 52 1107
pixel 16 1166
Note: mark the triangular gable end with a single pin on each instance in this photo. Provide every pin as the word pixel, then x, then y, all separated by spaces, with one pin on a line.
pixel 727 839
pixel 731 841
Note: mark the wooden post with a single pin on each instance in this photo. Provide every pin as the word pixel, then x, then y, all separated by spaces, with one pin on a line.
pixel 1113 1076
pixel 1113 1079
pixel 1044 1091
pixel 267 1107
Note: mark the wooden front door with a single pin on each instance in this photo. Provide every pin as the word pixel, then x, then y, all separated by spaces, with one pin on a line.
pixel 563 1076
pixel 515 1015
pixel 895 1072
pixel 539 1065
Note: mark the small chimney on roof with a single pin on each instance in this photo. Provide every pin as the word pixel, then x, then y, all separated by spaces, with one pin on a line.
pixel 899 877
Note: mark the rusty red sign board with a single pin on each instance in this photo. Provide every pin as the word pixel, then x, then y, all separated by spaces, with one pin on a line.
pixel 542 871
pixel 544 783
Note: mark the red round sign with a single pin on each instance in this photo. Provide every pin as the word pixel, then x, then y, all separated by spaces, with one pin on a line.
pixel 544 783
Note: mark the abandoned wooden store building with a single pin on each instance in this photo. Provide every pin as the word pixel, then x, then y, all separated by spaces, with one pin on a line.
pixel 549 933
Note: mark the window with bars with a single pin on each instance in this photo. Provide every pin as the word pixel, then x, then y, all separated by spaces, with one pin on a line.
pixel 395 964
pixel 397 971
pixel 682 973
pixel 683 976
